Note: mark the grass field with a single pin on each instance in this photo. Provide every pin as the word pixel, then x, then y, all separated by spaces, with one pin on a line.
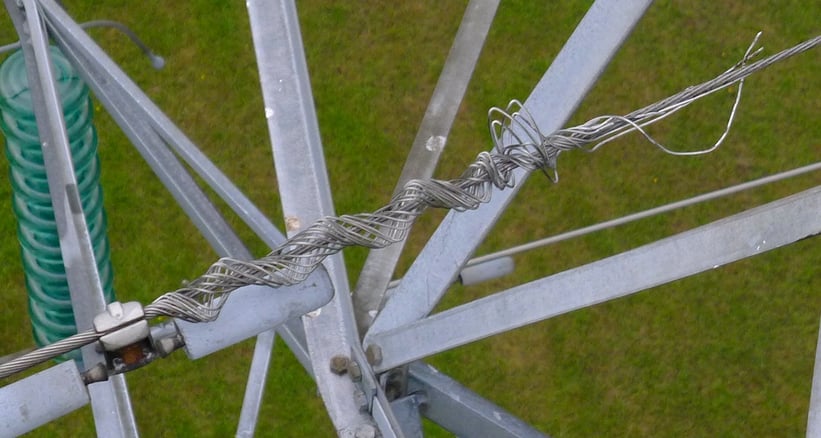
pixel 725 353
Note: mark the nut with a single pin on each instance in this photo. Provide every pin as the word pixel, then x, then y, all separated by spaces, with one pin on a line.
pixel 339 365
pixel 374 354
pixel 365 431
pixel 354 371
pixel 361 400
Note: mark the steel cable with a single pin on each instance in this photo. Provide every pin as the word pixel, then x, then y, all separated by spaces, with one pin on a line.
pixel 48 352
pixel 518 144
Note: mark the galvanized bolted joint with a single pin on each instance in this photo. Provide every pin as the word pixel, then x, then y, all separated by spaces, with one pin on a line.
pixel 129 318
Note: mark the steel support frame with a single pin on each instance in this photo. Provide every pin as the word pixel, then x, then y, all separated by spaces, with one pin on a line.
pixel 139 119
pixel 443 400
pixel 612 223
pixel 129 107
pixel 406 410
pixel 111 405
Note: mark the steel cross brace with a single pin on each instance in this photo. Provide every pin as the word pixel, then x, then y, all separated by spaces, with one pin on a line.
pixel 460 410
pixel 704 248
pixel 305 194
pixel 427 147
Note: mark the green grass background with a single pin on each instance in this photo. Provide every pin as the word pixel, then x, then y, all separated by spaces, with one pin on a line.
pixel 725 353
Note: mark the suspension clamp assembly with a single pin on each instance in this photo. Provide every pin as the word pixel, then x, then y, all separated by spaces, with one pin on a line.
pixel 130 317
pixel 126 345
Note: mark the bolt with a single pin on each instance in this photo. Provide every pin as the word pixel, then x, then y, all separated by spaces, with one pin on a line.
pixel 361 400
pixel 166 346
pixel 339 365
pixel 354 371
pixel 97 373
pixel 395 383
pixel 292 223
pixel 392 392
pixel 374 354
